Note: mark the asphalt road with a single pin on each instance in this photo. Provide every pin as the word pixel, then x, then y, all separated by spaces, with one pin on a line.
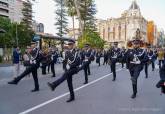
pixel 100 96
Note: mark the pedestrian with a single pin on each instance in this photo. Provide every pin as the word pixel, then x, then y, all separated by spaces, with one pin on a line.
pixel 160 57
pixel 16 61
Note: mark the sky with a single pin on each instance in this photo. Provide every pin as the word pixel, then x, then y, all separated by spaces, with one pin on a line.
pixel 150 9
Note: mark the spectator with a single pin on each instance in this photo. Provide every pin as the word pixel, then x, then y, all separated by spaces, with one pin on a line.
pixel 16 59
pixel 160 57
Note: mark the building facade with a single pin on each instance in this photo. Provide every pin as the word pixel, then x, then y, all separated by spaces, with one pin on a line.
pixel 152 33
pixel 4 8
pixel 12 9
pixel 37 27
pixel 123 29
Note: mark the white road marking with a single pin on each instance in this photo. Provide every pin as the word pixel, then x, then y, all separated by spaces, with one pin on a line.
pixel 63 95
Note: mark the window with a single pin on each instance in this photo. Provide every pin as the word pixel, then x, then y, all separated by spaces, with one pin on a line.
pixel 109 31
pixel 119 29
pixel 103 33
pixel 113 32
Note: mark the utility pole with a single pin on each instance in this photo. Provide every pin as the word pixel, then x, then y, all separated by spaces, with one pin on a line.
pixel 16 34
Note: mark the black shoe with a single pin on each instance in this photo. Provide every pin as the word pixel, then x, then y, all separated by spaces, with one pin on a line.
pixel 34 90
pixel 70 100
pixel 153 69
pixel 146 77
pixel 113 79
pixel 85 82
pixel 13 82
pixel 133 96
pixel 51 86
pixel 53 75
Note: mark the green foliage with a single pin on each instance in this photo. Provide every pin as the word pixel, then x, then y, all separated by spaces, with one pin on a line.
pixel 88 11
pixel 91 37
pixel 8 39
pixel 5 38
pixel 27 14
pixel 71 10
pixel 61 17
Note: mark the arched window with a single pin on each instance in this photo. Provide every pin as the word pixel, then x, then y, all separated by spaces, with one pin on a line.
pixel 103 33
pixel 109 31
pixel 113 32
pixel 119 29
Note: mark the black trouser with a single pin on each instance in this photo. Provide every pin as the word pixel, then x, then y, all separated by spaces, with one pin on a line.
pixel 28 70
pixel 98 61
pixel 49 67
pixel 44 68
pixel 146 69
pixel 67 76
pixel 113 68
pixel 105 61
pixel 122 63
pixel 135 72
pixel 86 70
pixel 64 63
pixel 153 65
pixel 52 68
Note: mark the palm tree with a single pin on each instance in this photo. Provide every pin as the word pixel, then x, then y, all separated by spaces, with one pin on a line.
pixel 76 5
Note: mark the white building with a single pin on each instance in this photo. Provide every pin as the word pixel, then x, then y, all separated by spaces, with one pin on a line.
pixel 12 9
pixel 4 8
pixel 123 28
pixel 37 27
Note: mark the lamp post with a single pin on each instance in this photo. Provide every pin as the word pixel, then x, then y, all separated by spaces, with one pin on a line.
pixel 16 34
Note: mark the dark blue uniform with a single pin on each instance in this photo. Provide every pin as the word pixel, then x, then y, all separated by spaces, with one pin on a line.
pixel 33 65
pixel 136 59
pixel 98 56
pixel 87 56
pixel 73 62
pixel 54 56
pixel 151 59
pixel 105 54
pixel 114 55
pixel 122 59
pixel 160 84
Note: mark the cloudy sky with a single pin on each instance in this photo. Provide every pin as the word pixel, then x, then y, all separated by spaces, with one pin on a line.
pixel 150 9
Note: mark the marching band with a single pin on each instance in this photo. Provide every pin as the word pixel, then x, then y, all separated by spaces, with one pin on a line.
pixel 136 58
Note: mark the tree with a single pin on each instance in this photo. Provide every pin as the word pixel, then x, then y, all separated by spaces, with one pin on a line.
pixel 91 37
pixel 88 11
pixel 6 38
pixel 61 17
pixel 27 14
pixel 71 10
pixel 25 30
